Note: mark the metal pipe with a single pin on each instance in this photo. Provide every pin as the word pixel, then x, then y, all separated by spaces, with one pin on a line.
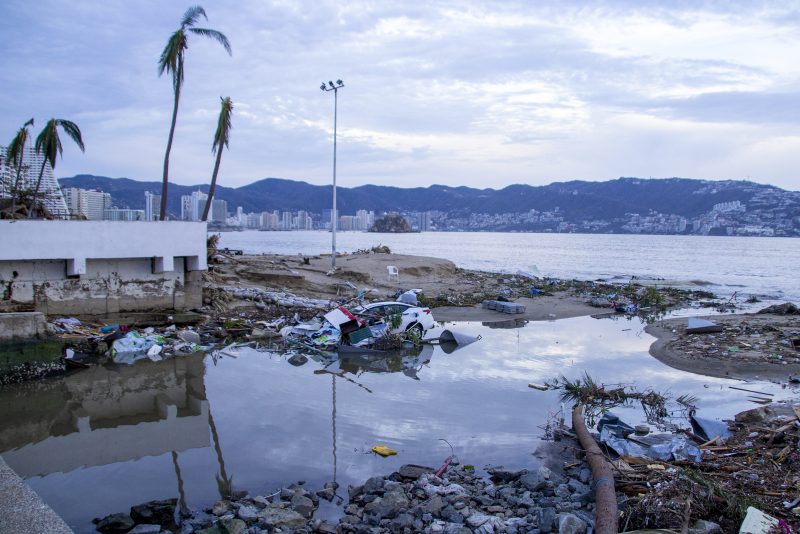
pixel 606 511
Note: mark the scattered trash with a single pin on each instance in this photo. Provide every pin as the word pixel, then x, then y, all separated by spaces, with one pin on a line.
pixel 383 450
pixel 709 429
pixel 503 307
pixel 757 522
pixel 701 326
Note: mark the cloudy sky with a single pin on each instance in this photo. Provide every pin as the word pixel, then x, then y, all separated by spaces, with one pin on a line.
pixel 460 93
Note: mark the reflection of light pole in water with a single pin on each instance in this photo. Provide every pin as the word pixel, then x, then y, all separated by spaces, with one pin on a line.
pixel 335 88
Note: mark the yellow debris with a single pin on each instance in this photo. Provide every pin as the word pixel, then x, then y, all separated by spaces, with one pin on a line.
pixel 383 450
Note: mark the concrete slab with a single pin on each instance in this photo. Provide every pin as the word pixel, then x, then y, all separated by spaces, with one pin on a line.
pixel 21 326
pixel 22 511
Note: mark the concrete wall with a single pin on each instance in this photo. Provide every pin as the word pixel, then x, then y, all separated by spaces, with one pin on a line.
pixel 22 325
pixel 101 267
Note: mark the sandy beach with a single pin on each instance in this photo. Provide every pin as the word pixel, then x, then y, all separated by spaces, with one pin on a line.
pixel 438 279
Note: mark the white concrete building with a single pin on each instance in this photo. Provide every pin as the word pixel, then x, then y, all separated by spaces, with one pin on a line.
pixel 49 189
pixel 86 203
pixel 152 206
pixel 101 267
pixel 123 214
pixel 192 206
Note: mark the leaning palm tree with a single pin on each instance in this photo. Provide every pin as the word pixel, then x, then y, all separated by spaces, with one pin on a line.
pixel 171 61
pixel 15 154
pixel 48 144
pixel 221 138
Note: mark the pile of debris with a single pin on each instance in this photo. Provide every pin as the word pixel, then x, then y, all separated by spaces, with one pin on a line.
pixel 754 338
pixel 756 467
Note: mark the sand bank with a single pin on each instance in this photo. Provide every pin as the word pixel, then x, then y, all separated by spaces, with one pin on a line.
pixel 751 346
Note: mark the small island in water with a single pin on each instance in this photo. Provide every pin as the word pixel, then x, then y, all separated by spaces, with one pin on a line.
pixel 392 223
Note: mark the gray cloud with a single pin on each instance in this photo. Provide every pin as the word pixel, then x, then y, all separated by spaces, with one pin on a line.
pixel 473 93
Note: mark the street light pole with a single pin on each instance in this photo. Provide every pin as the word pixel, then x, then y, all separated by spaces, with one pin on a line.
pixel 335 88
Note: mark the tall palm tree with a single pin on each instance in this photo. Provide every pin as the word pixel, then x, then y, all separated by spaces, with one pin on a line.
pixel 221 138
pixel 48 144
pixel 15 154
pixel 171 61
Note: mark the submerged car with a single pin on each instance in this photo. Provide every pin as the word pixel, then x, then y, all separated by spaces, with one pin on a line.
pixel 411 317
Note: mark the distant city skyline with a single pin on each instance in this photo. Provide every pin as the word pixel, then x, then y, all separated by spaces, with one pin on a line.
pixel 483 94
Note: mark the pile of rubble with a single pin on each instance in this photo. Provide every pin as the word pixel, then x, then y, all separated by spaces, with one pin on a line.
pixel 752 338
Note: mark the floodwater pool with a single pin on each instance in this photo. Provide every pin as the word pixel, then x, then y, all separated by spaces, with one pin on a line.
pixel 106 438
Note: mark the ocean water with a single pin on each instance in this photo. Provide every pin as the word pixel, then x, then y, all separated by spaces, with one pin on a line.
pixel 762 266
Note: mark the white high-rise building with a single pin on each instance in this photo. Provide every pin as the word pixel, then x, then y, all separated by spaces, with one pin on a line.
pixel 152 206
pixel 192 206
pixel 87 204
pixel 49 190
pixel 219 211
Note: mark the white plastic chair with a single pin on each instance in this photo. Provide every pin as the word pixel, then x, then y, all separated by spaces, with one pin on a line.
pixel 393 271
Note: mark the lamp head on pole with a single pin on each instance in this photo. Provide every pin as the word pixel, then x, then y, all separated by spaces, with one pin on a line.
pixel 322 86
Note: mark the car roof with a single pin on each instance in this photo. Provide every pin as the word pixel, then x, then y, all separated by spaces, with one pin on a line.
pixel 387 302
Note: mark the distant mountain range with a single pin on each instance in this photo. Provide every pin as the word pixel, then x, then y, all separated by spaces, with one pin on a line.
pixel 575 200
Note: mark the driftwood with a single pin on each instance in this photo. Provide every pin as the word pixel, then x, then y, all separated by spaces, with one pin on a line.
pixel 606 512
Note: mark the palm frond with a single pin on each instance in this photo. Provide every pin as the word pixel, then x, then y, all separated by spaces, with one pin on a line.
pixel 17 145
pixel 48 143
pixel 172 53
pixel 224 125
pixel 72 130
pixel 29 123
pixel 216 35
pixel 192 15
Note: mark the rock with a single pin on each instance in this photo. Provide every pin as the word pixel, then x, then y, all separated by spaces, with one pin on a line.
pixel 221 507
pixel 433 505
pixel 585 475
pixel 373 485
pixel 504 476
pixel 297 360
pixel 704 527
pixel 402 521
pixel 496 509
pixel 787 308
pixel 562 491
pixel 303 505
pixel 155 512
pixel 390 505
pixel 325 528
pixel 477 519
pixel 533 481
pixel 115 523
pixel 261 502
pixel 276 517
pixel 328 494
pixel 413 472
pixel 578 487
pixel 232 526
pixel 214 529
pixel 354 491
pixel 570 524
pixel 547 519
pixel 247 513
pixel 145 529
